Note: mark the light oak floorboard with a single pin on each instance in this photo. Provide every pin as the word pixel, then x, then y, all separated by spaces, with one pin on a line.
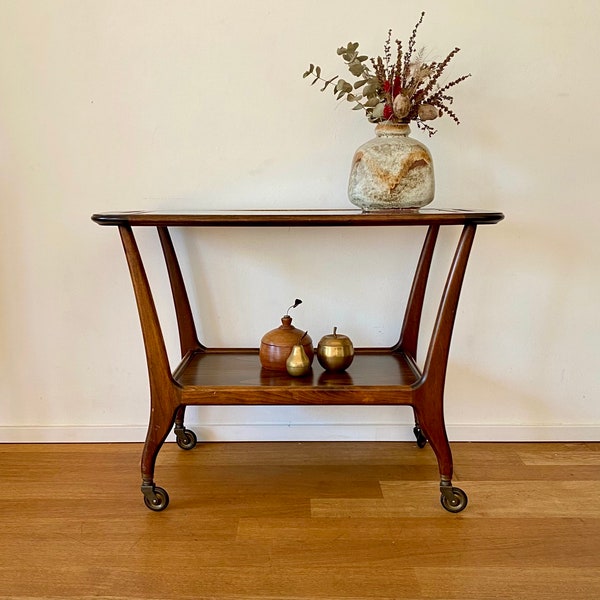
pixel 299 521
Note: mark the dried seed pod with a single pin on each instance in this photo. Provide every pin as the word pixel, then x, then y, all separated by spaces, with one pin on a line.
pixel 401 106
pixel 428 112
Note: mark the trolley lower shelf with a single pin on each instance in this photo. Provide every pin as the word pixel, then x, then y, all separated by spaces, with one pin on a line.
pixel 236 377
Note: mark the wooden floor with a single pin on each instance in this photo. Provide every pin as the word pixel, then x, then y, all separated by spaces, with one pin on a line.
pixel 300 521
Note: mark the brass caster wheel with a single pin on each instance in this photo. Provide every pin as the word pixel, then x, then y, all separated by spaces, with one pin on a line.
pixel 156 498
pixel 421 439
pixel 453 499
pixel 186 438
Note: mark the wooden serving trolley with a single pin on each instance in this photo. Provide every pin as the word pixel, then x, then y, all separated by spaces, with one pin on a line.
pixel 229 376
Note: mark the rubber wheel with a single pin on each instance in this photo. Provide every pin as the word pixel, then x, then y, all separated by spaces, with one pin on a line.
pixel 458 504
pixel 421 439
pixel 160 502
pixel 187 440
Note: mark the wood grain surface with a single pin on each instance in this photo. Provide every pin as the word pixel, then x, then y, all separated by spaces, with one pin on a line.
pixel 303 521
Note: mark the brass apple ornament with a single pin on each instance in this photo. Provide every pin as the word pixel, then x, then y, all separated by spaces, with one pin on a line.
pixel 335 351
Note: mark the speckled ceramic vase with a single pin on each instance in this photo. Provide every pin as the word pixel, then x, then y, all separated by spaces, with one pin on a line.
pixel 391 171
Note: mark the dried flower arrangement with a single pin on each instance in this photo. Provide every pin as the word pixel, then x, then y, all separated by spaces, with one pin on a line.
pixel 402 91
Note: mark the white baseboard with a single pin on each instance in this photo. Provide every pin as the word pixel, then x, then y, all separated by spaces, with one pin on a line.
pixel 267 432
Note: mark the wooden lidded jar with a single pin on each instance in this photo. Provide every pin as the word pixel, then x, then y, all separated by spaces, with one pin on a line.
pixel 277 344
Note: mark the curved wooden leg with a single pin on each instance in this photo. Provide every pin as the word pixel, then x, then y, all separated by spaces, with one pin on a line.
pixel 429 414
pixel 429 401
pixel 420 436
pixel 179 417
pixel 158 429
pixel 155 498
pixel 186 438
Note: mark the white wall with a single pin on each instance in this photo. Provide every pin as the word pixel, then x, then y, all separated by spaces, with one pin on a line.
pixel 119 105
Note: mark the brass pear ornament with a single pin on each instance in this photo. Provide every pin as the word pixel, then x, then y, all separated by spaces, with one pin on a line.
pixel 335 351
pixel 298 363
